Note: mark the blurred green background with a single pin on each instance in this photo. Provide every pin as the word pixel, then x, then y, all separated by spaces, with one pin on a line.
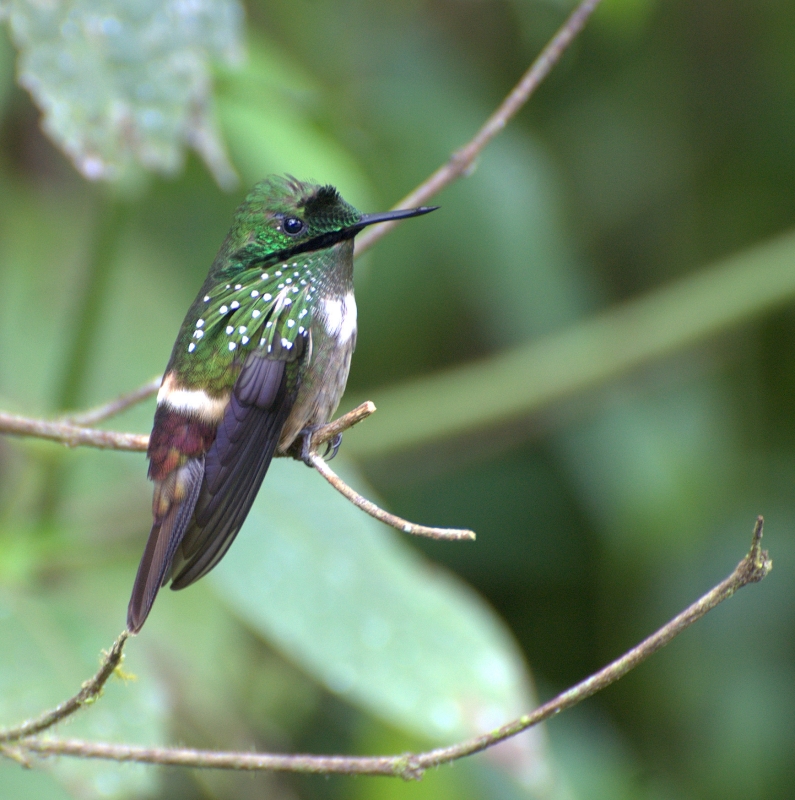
pixel 587 355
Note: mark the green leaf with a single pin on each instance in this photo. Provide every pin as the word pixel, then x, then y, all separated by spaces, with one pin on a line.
pixel 598 764
pixel 30 784
pixel 363 613
pixel 124 82
pixel 266 112
pixel 47 651
pixel 6 69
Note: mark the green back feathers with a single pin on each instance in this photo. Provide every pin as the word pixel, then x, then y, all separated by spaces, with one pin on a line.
pixel 254 297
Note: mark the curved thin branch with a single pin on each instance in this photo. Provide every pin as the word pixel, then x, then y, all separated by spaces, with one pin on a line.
pixel 452 534
pixel 462 160
pixel 754 567
pixel 338 426
pixel 70 431
pixel 89 692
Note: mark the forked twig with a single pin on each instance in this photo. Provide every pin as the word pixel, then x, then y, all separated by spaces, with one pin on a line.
pixel 343 423
pixel 753 568
pixel 71 435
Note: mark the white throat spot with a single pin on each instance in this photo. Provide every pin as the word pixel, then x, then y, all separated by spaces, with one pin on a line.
pixel 339 317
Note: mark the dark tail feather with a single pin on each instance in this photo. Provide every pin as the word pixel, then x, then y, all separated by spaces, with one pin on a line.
pixel 145 588
pixel 164 539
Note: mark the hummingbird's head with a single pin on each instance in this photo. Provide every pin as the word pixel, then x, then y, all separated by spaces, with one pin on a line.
pixel 282 215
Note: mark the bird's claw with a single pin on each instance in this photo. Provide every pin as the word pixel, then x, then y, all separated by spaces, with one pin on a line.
pixel 333 447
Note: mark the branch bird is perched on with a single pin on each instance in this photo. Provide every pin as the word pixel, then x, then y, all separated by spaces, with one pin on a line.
pixel 262 358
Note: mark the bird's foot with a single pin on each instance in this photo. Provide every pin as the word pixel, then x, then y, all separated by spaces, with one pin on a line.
pixel 306 435
pixel 332 446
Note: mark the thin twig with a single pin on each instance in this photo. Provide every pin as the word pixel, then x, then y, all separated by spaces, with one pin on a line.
pixel 462 160
pixel 453 534
pixel 89 691
pixel 342 424
pixel 114 407
pixel 327 433
pixel 754 567
pixel 72 435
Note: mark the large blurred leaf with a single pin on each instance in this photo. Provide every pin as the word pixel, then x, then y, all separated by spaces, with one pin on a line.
pixel 126 81
pixel 373 621
pixel 31 784
pixel 46 652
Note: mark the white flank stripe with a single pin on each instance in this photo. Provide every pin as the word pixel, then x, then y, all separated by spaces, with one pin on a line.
pixel 191 401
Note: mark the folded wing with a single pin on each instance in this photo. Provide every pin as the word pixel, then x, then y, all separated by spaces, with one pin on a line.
pixel 202 502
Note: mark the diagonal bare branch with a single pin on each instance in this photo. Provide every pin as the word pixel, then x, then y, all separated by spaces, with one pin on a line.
pixel 462 160
pixel 753 568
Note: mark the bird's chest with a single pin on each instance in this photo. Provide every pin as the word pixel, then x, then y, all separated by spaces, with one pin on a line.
pixel 326 372
pixel 333 342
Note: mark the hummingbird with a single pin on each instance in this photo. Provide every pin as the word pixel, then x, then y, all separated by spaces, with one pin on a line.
pixel 260 362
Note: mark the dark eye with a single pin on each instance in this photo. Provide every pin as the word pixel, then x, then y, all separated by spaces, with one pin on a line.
pixel 292 225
